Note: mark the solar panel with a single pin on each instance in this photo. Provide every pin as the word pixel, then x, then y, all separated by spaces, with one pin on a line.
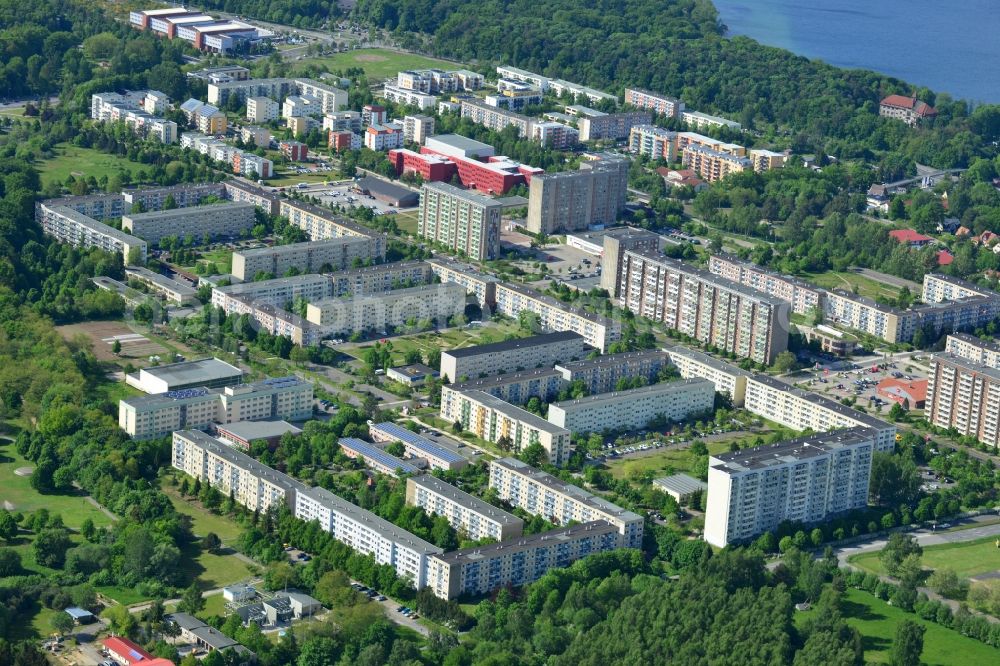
pixel 187 393
pixel 422 443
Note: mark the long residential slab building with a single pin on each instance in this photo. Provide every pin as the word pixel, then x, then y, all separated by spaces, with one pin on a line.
pixel 804 480
pixel 497 421
pixel 260 488
pixel 483 569
pixel 333 254
pixel 706 307
pixel 285 398
pixel 634 409
pixel 459 365
pixel 964 395
pixel 803 297
pixel 70 226
pixel 777 401
pixel 214 220
pixel 321 223
pixel 982 352
pixel 469 515
pixel 542 494
pixel 554 315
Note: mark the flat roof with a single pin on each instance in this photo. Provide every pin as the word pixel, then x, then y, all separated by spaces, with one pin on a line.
pixel 330 216
pixel 559 486
pixel 966 364
pixel 241 460
pixel 484 383
pixel 705 359
pixel 991 345
pixel 511 345
pixel 513 411
pixel 464 499
pixel 591 401
pixel 190 210
pixel 681 484
pixel 414 370
pixel 959 282
pixel 94 225
pixel 191 372
pixel 468 195
pixel 251 430
pixel 161 280
pixel 556 303
pixel 468 270
pixel 792 450
pixel 377 455
pixel 529 542
pixel 821 401
pixel 613 359
pixel 418 442
pixel 791 279
pixel 289 282
pixel 172 397
pixel 459 141
pixel 381 526
pixel 706 276
pixel 293 248
pixel 864 300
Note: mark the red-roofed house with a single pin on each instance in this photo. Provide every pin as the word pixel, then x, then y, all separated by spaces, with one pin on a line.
pixel 911 392
pixel 944 258
pixel 908 109
pixel 681 178
pixel 125 652
pixel 910 237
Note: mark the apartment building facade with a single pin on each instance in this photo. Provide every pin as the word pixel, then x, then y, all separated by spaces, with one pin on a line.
pixel 321 223
pixel 537 351
pixel 700 120
pixel 515 387
pixel 417 128
pixel 713 165
pixel 596 126
pixel 795 408
pixel 380 278
pixel 655 102
pixel 728 379
pixel 183 196
pixel 803 297
pixel 709 308
pixel 232 473
pixel 463 221
pixel 616 244
pixel 554 315
pixel 365 312
pixel 939 288
pixel 576 200
pixel 469 515
pixel 285 398
pixel 496 118
pixel 244 192
pixel 215 220
pixel 964 395
pixel 172 291
pixel 653 142
pixel 477 284
pixel 500 422
pixel 484 569
pixel 333 254
pixel 634 409
pixel 804 480
pixel 974 349
pixel 262 109
pixel 367 533
pixel 69 226
pixel 602 374
pixel 542 494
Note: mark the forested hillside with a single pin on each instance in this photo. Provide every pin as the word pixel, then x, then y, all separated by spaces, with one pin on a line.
pixel 675 47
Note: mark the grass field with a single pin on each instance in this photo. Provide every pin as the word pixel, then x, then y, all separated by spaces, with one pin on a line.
pixel 407 222
pixel 680 459
pixel 379 63
pixel 847 280
pixel 877 622
pixel 214 571
pixel 72 160
pixel 967 559
pixel 17 491
pixel 203 521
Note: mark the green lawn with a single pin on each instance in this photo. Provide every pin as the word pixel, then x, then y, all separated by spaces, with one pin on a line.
pixel 452 338
pixel 126 596
pixel 203 521
pixel 17 491
pixel 213 571
pixel 72 160
pixel 877 622
pixel 680 459
pixel 967 559
pixel 847 280
pixel 379 63
pixel 407 222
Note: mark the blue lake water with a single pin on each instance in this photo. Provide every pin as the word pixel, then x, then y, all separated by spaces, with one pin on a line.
pixel 949 46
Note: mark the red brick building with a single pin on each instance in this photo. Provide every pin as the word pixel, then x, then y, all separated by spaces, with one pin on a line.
pixel 296 151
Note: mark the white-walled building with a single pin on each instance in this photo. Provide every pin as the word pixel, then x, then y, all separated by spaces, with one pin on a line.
pixel 206 372
pixel 559 502
pixel 469 515
pixel 634 409
pixel 512 355
pixel 804 480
